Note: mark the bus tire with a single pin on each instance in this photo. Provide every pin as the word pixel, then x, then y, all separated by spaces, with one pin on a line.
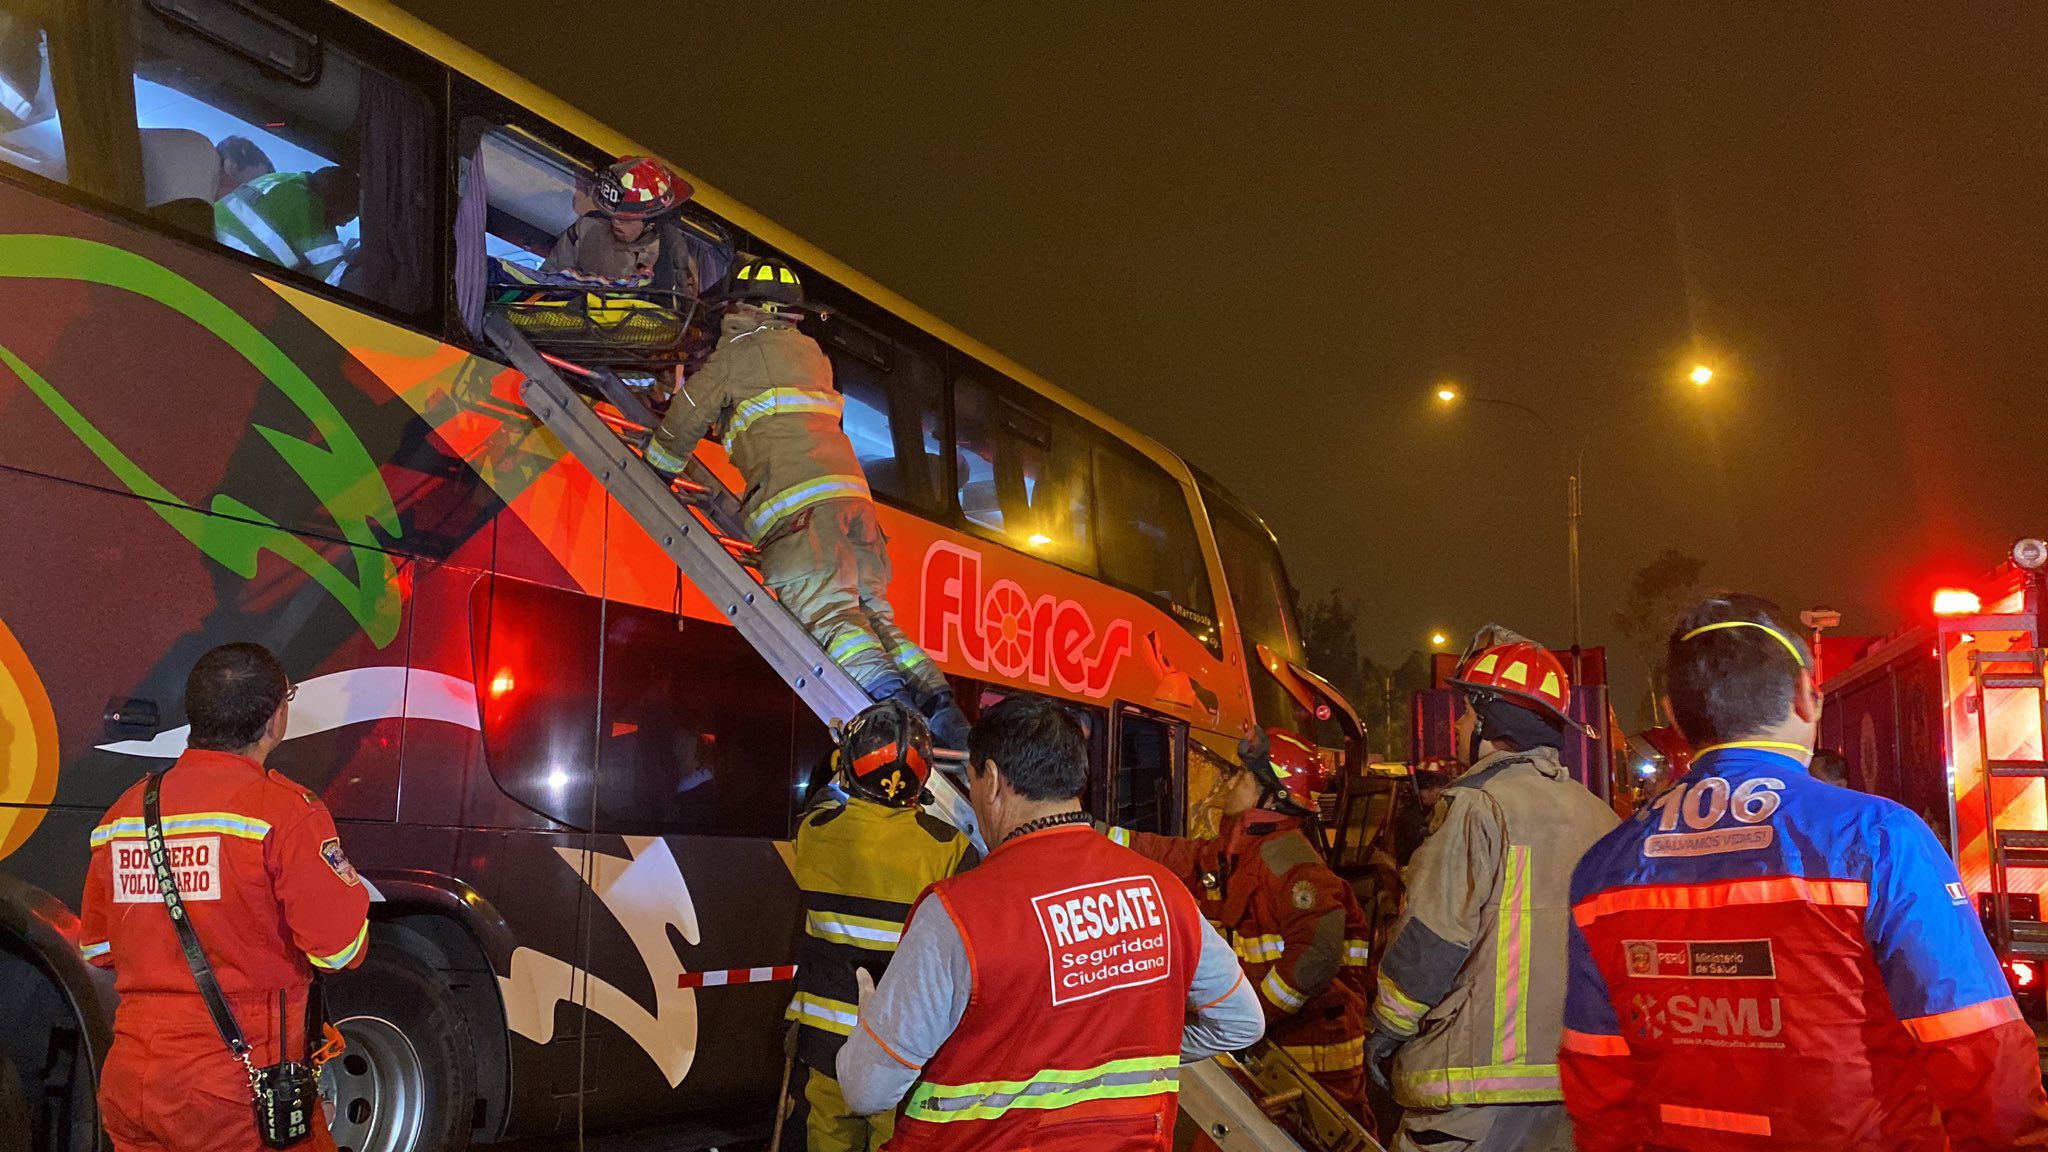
pixel 405 1083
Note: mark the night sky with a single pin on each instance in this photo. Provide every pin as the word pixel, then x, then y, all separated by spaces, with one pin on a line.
pixel 1264 240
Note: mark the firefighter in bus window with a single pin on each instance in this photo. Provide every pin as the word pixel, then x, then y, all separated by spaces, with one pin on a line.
pixel 630 233
pixel 767 390
pixel 290 219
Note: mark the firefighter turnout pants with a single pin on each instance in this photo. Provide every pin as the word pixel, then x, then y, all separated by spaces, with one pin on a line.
pixel 829 565
pixel 1486 1128
pixel 821 1121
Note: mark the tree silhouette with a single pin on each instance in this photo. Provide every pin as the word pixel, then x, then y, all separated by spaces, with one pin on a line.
pixel 1658 594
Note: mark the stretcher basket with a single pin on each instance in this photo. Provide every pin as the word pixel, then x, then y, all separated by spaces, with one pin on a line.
pixel 620 324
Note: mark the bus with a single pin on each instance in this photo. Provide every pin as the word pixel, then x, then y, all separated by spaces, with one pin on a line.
pixel 570 787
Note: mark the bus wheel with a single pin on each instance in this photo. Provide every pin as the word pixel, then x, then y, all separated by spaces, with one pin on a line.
pixel 404 1084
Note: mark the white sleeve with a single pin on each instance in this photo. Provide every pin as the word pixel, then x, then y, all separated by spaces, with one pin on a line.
pixel 911 1013
pixel 1224 1011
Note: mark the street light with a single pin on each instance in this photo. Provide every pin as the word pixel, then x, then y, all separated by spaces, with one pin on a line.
pixel 1451 395
pixel 1438 639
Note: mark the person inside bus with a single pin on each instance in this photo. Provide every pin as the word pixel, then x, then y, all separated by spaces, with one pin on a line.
pixel 290 219
pixel 632 235
pixel 241 161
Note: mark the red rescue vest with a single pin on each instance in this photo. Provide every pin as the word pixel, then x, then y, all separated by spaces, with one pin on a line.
pixel 1082 955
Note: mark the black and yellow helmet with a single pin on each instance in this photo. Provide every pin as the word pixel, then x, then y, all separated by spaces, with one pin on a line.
pixel 764 279
pixel 885 754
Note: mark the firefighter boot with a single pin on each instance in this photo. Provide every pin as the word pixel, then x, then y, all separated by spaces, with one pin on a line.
pixel 949 724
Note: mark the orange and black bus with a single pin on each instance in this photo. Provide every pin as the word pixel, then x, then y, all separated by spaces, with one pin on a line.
pixel 571 787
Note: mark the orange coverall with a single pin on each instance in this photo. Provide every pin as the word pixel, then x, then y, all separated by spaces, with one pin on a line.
pixel 271 896
pixel 1297 930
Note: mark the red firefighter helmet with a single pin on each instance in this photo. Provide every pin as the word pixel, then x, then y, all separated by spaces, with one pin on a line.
pixel 1292 767
pixel 1522 672
pixel 638 188
pixel 886 754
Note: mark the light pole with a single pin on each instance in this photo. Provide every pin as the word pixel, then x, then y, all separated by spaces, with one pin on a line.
pixel 1450 394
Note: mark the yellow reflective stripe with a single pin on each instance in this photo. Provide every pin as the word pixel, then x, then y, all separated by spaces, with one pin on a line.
pixel 1052 1088
pixel 92 951
pixel 190 824
pixel 1357 953
pixel 1340 1057
pixel 1395 1009
pixel 1281 993
pixel 343 958
pixel 1491 1084
pixel 824 1012
pixel 782 402
pixel 768 512
pixel 1121 836
pixel 860 931
pixel 1259 949
pixel 1511 949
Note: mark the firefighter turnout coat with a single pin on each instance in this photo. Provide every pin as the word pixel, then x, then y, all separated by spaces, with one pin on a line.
pixel 272 898
pixel 768 389
pixel 1764 960
pixel 1474 974
pixel 1295 926
pixel 860 865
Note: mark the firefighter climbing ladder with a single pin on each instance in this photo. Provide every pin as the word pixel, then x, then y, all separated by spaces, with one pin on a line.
pixel 2024 670
pixel 696 523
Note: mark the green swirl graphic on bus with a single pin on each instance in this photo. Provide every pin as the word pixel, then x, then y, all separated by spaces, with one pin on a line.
pixel 338 470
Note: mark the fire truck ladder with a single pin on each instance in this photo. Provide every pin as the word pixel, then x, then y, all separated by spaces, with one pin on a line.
pixel 2024 670
pixel 697 524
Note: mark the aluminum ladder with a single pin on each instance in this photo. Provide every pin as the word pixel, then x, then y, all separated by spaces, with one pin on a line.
pixel 2024 670
pixel 697 525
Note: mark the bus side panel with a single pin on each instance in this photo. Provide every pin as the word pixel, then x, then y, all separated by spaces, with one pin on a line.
pixel 110 604
pixel 150 364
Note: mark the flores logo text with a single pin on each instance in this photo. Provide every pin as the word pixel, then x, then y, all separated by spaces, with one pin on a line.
pixel 1002 628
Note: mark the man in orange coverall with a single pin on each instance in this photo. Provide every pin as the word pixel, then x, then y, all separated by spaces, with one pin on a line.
pixel 1296 927
pixel 269 893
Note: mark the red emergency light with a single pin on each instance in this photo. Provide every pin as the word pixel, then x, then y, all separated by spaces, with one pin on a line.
pixel 1956 602
pixel 2025 973
pixel 501 683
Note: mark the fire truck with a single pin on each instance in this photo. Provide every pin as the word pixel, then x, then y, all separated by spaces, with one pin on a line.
pixel 1947 718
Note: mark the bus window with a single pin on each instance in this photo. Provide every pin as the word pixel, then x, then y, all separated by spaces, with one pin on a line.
pixel 283 145
pixel 533 196
pixel 1142 792
pixel 1023 472
pixel 30 135
pixel 1145 539
pixel 685 732
pixel 1264 601
pixel 893 396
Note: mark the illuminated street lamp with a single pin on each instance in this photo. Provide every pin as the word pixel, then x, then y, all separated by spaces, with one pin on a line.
pixel 1450 395
pixel 1438 639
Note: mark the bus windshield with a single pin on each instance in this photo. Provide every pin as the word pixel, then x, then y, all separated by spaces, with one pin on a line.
pixel 1263 597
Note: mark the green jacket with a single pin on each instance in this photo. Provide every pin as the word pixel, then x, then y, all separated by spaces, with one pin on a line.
pixel 279 218
pixel 1474 975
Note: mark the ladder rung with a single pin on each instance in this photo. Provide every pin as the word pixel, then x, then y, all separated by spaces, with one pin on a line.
pixel 2022 849
pixel 2031 657
pixel 2032 931
pixel 2021 947
pixel 2008 680
pixel 2019 767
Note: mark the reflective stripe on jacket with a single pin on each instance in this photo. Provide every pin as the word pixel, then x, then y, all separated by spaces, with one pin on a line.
pixel 278 217
pixel 859 865
pixel 768 387
pixel 1296 928
pixel 1082 957
pixel 1474 973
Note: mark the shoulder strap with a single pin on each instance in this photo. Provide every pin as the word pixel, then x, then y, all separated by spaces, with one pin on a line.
pixel 195 956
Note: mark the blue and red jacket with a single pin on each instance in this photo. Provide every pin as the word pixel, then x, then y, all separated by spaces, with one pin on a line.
pixel 1763 960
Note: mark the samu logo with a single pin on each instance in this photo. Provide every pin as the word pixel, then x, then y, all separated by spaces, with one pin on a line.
pixel 1709 1018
